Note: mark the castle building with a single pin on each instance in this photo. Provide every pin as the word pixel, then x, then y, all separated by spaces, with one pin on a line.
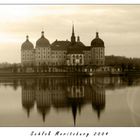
pixel 71 53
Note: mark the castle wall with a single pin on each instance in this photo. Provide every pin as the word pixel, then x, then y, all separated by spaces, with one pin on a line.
pixel 58 57
pixel 97 56
pixel 42 56
pixel 27 57
pixel 87 57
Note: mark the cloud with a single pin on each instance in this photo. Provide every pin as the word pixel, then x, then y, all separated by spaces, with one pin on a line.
pixel 118 25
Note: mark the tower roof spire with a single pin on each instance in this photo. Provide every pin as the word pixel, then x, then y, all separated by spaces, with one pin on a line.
pixel 73 35
pixel 73 29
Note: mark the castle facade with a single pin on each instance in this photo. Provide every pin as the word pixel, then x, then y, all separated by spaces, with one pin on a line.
pixel 70 53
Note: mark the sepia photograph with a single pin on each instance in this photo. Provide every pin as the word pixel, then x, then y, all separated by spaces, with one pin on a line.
pixel 70 65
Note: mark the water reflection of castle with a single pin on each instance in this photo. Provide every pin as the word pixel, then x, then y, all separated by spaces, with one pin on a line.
pixel 69 93
pixel 62 93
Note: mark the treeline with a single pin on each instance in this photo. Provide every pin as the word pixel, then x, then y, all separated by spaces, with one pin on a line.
pixel 7 65
pixel 121 61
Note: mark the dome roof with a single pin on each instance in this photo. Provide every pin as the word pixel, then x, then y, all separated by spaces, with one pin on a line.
pixel 42 42
pixel 97 42
pixel 79 43
pixel 27 45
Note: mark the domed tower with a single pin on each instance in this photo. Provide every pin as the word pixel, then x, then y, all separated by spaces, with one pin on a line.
pixel 28 95
pixel 98 99
pixel 27 53
pixel 43 98
pixel 43 51
pixel 97 51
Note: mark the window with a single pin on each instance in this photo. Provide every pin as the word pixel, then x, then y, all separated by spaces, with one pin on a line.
pixel 73 61
pixel 80 61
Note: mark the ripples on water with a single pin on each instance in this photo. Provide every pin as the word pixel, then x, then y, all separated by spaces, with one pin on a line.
pixel 75 101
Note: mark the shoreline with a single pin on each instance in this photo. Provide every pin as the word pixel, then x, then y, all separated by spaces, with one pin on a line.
pixel 67 74
pixel 58 74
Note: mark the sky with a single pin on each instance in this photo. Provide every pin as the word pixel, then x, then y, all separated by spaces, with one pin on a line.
pixel 118 27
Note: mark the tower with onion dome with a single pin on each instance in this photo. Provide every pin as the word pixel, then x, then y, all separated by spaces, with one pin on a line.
pixel 27 53
pixel 42 51
pixel 63 52
pixel 97 51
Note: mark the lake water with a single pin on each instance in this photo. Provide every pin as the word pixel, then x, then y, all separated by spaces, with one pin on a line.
pixel 75 101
